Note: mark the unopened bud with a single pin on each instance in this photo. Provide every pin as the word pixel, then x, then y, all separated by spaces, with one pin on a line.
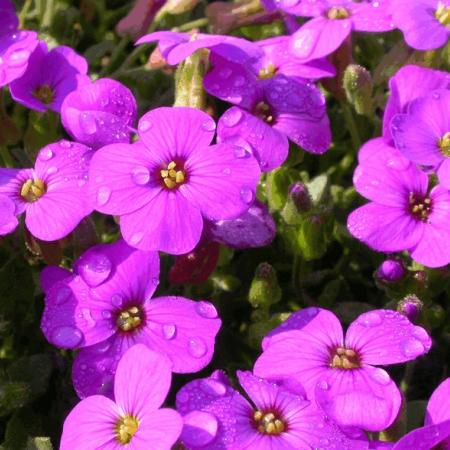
pixel 390 271
pixel 264 290
pixel 410 307
pixel 358 88
pixel 298 202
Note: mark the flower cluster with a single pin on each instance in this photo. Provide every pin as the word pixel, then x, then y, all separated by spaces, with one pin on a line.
pixel 185 185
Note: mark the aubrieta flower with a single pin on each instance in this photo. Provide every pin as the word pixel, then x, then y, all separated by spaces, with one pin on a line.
pixel 390 271
pixel 423 134
pixel 135 419
pixel 403 214
pixel 49 77
pixel 15 46
pixel 217 417
pixel 53 195
pixel 435 434
pixel 8 220
pixel 99 113
pixel 410 83
pixel 167 183
pixel 425 23
pixel 332 23
pixel 105 306
pixel 176 47
pixel 340 372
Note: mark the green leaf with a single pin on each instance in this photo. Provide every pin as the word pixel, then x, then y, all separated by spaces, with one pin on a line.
pixel 39 443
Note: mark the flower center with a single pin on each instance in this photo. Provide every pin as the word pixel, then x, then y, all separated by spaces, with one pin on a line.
pixel 345 358
pixel 33 190
pixel 420 207
pixel 337 13
pixel 268 423
pixel 129 319
pixel 443 14
pixel 126 428
pixel 444 144
pixel 173 177
pixel 264 112
pixel 44 93
pixel 267 72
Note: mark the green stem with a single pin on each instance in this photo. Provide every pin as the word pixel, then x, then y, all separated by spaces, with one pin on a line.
pixel 5 155
pixel 115 56
pixel 48 13
pixel 24 12
pixel 199 23
pixel 351 124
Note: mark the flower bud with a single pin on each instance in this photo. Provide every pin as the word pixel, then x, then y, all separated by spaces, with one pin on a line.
pixel 180 6
pixel 358 88
pixel 410 307
pixel 298 202
pixel 264 290
pixel 390 271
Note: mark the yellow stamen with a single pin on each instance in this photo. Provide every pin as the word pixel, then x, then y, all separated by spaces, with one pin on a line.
pixel 44 93
pixel 443 14
pixel 129 319
pixel 345 358
pixel 337 13
pixel 171 176
pixel 444 144
pixel 267 72
pixel 33 190
pixel 268 423
pixel 126 428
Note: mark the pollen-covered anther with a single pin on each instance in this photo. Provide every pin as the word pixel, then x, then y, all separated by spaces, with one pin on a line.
pixel 267 72
pixel 345 358
pixel 171 176
pixel 129 319
pixel 126 428
pixel 444 144
pixel 33 190
pixel 337 13
pixel 264 112
pixel 44 93
pixel 443 14
pixel 420 208
pixel 268 423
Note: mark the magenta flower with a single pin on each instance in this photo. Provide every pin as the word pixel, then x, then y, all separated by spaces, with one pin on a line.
pixel 134 419
pixel 15 46
pixel 176 47
pixel 53 195
pixel 403 214
pixel 340 372
pixel 50 76
pixel 173 176
pixel 390 271
pixel 423 135
pixel 408 84
pixel 425 23
pixel 8 220
pixel 332 23
pixel 99 113
pixel 105 306
pixel 217 417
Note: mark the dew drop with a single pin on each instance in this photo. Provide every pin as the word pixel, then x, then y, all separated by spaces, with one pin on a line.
pixel 46 154
pixel 63 295
pixel 103 195
pixel 206 309
pixel 323 385
pixel 225 73
pixel 169 331
pixel 197 347
pixel 215 387
pixel 95 269
pixel 232 117
pixel 140 175
pixel 380 376
pixel 412 348
pixel 239 81
pixel 106 314
pixel 421 334
pixel 117 300
pixel 67 337
pixel 18 58
pixel 371 319
pixel 136 238
pixel 65 144
pixel 247 195
pixel 226 171
pixel 144 125
pixel 208 125
pixel 241 152
pixel 87 123
pixel 52 170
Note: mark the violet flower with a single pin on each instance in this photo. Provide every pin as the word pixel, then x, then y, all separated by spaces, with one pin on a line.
pixel 425 23
pixel 50 76
pixel 217 417
pixel 173 176
pixel 53 195
pixel 409 83
pixel 340 372
pixel 105 306
pixel 390 271
pixel 403 214
pixel 135 419
pixel 99 113
pixel 8 220
pixel 423 135
pixel 332 23
pixel 15 46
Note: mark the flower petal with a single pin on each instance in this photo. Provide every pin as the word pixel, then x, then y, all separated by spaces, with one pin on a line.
pixel 427 437
pixel 437 408
pixel 8 220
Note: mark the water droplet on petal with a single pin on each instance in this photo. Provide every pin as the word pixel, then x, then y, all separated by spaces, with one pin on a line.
pixel 45 154
pixel 103 195
pixel 225 73
pixel 67 337
pixel 87 123
pixel 144 125
pixel 63 295
pixel 65 144
pixel 232 117
pixel 323 385
pixel 206 309
pixel 380 376
pixel 52 170
pixel 136 238
pixel 140 175
pixel 18 58
pixel 371 319
pixel 106 314
pixel 241 152
pixel 209 125
pixel 117 300
pixel 239 81
pixel 215 386
pixel 95 269
pixel 169 331
pixel 226 171
pixel 247 195
pixel 412 348
pixel 421 334
pixel 197 347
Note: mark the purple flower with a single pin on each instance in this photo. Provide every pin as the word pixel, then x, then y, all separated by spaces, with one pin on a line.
pixel 134 419
pixel 176 47
pixel 424 23
pixel 408 84
pixel 50 76
pixel 173 176
pixel 105 306
pixel 53 195
pixel 15 46
pixel 268 112
pixel 217 417
pixel 390 271
pixel 99 113
pixel 403 214
pixel 8 220
pixel 340 372
pixel 332 23
pixel 423 135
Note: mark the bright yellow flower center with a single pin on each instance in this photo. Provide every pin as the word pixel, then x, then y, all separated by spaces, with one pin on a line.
pixel 268 423
pixel 337 13
pixel 443 14
pixel 444 144
pixel 44 93
pixel 267 72
pixel 126 428
pixel 130 319
pixel 33 190
pixel 172 177
pixel 345 358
